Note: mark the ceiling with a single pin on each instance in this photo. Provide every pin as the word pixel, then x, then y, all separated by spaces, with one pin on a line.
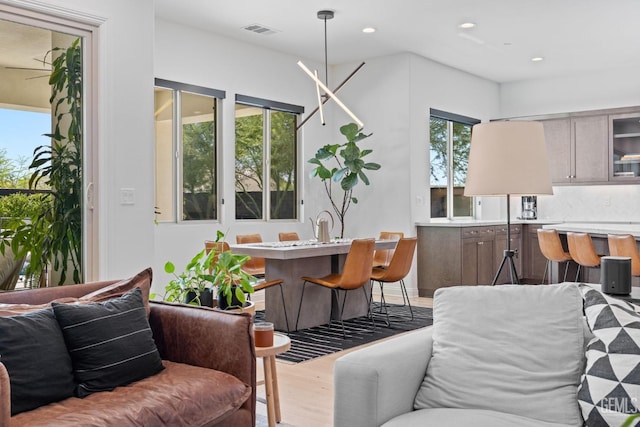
pixel 571 35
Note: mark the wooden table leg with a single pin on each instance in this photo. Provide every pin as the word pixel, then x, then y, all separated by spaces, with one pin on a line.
pixel 276 391
pixel 268 363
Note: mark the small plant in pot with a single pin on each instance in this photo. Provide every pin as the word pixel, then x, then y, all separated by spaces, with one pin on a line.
pixel 218 269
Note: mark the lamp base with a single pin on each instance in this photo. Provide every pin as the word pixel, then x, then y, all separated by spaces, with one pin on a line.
pixel 507 258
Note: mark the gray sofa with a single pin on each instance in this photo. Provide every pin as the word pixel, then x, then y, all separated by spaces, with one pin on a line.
pixel 496 356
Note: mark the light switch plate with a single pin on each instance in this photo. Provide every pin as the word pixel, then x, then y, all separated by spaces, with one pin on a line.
pixel 127 196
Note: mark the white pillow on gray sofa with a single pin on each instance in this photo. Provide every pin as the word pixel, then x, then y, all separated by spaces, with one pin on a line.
pixel 517 349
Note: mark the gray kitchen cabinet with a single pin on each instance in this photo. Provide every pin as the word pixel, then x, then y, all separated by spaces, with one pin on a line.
pixel 577 149
pixel 624 147
pixel 478 255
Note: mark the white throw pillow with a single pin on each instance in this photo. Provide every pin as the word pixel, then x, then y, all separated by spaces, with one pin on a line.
pixel 517 349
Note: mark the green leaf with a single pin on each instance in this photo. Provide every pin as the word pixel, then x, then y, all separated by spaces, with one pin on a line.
pixel 323 172
pixel 349 131
pixel 354 200
pixel 349 182
pixel 169 267
pixel 339 174
pixel 363 177
pixel 371 166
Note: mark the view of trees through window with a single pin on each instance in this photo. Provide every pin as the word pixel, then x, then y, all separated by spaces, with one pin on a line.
pixel 191 176
pixel 450 142
pixel 266 143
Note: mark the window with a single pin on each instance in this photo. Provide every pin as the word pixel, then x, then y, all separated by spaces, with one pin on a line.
pixel 186 151
pixel 450 141
pixel 266 152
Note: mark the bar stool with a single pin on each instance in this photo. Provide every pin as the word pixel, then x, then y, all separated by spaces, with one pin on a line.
pixel 288 236
pixel 551 248
pixel 255 266
pixel 582 251
pixel 625 245
pixel 382 257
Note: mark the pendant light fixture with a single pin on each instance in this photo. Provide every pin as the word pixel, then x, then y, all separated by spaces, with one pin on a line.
pixel 328 94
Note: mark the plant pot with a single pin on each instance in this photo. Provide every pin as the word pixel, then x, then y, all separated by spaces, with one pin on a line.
pixel 206 297
pixel 222 301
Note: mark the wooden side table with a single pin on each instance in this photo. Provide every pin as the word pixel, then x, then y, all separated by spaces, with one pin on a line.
pixel 281 343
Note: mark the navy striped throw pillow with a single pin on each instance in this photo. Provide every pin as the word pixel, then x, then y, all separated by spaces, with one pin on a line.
pixel 110 342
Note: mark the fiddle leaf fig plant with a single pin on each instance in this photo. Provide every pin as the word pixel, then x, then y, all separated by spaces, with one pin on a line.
pixel 348 169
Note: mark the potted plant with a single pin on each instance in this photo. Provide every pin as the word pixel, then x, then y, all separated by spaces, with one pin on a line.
pixel 348 158
pixel 208 271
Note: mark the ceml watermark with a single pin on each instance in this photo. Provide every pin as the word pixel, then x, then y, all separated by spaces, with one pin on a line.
pixel 625 405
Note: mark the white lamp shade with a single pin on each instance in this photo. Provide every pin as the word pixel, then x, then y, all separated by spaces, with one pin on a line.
pixel 508 157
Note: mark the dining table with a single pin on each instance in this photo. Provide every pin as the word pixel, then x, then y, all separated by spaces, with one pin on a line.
pixel 292 260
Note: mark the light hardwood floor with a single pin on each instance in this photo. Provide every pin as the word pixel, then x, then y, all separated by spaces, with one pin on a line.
pixel 306 389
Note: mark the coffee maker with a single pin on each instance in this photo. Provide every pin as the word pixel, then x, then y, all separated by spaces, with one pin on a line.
pixel 529 207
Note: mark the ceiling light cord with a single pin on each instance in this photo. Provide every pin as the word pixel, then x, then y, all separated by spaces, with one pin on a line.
pixel 326 66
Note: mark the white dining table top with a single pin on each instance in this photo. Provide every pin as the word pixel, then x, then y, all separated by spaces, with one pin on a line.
pixel 301 248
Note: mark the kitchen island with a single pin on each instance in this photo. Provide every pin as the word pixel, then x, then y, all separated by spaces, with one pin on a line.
pixel 599 232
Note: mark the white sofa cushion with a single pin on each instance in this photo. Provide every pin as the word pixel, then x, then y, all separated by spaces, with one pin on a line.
pixel 517 349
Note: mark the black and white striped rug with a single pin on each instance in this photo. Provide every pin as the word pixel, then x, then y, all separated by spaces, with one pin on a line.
pixel 307 344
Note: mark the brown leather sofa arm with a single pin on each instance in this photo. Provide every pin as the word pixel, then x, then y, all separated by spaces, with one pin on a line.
pixel 205 337
pixel 5 397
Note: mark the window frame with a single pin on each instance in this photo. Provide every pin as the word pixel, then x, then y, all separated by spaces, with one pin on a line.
pixel 450 118
pixel 267 106
pixel 177 162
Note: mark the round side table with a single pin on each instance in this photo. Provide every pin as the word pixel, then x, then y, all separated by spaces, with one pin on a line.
pixel 281 343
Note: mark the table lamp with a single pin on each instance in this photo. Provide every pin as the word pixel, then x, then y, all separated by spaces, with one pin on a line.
pixel 508 158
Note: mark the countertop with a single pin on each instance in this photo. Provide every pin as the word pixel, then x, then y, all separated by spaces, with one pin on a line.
pixel 480 223
pixel 598 228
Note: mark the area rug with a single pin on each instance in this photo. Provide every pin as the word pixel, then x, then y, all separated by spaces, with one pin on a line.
pixel 307 344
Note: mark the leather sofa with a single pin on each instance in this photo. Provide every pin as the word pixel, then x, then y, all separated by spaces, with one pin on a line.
pixel 209 375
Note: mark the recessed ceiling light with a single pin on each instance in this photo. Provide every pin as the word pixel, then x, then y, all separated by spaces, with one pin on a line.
pixel 537 59
pixel 467 25
pixel 369 30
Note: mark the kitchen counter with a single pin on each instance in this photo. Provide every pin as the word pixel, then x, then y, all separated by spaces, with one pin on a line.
pixel 481 222
pixel 598 228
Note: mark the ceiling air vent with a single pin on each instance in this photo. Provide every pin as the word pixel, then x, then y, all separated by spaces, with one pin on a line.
pixel 260 29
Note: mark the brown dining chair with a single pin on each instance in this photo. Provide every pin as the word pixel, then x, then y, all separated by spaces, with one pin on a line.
pixel 382 257
pixel 288 236
pixel 551 248
pixel 582 251
pixel 396 271
pixel 355 275
pixel 258 285
pixel 625 245
pixel 255 266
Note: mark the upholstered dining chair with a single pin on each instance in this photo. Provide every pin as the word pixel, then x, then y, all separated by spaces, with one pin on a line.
pixel 258 285
pixel 382 257
pixel 396 271
pixel 255 266
pixel 551 248
pixel 582 251
pixel 288 236
pixel 625 245
pixel 355 275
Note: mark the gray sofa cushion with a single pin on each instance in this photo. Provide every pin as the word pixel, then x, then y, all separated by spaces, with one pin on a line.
pixel 517 349
pixel 445 417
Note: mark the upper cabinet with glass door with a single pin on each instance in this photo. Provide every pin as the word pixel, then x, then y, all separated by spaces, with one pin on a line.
pixel 624 145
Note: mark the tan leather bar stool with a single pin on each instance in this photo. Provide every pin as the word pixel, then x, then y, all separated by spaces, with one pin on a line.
pixel 551 248
pixel 625 245
pixel 288 236
pixel 582 251
pixel 382 257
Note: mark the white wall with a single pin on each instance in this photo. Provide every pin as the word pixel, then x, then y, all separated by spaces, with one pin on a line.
pixel 590 91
